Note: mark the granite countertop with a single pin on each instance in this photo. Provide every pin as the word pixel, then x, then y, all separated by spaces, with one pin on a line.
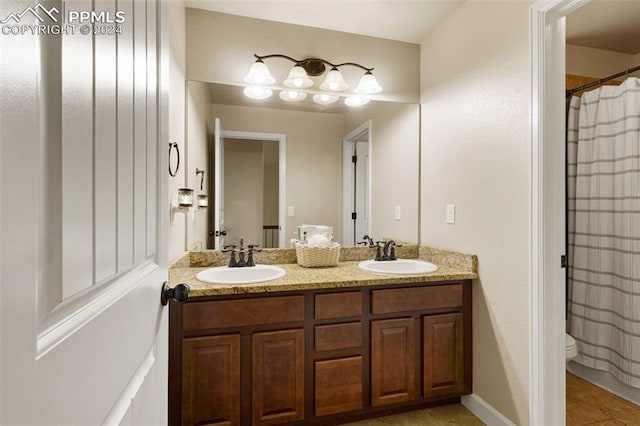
pixel 346 274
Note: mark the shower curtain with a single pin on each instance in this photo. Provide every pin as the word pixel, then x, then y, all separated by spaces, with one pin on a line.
pixel 603 182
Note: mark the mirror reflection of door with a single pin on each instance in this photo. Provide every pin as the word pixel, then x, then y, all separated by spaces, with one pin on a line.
pixel 356 183
pixel 249 176
pixel 250 190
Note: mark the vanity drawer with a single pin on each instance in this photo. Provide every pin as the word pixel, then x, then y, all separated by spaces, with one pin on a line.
pixel 242 313
pixel 338 336
pixel 338 305
pixel 416 299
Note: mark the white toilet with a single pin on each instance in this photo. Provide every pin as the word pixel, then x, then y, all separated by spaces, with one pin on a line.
pixel 570 346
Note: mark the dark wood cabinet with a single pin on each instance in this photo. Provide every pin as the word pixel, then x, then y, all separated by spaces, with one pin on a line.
pixel 211 380
pixel 393 361
pixel 319 356
pixel 338 386
pixel 278 377
pixel 443 358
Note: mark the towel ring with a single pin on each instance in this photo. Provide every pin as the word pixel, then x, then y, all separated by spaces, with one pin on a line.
pixel 171 146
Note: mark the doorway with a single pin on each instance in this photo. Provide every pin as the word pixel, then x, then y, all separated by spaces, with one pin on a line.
pixel 356 184
pixel 250 188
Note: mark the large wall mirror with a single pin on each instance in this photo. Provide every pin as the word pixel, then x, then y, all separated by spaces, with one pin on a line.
pixel 277 165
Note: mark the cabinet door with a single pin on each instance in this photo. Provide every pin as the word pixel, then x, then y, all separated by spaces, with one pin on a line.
pixel 211 380
pixel 443 354
pixel 393 361
pixel 278 377
pixel 338 385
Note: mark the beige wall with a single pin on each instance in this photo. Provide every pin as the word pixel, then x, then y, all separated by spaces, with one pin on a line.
pixel 395 135
pixel 199 121
pixel 313 164
pixel 176 12
pixel 221 49
pixel 590 62
pixel 476 154
pixel 243 186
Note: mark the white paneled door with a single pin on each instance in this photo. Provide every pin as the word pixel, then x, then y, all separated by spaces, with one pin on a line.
pixel 82 217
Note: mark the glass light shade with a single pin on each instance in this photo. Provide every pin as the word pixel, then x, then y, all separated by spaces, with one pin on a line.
pixel 292 95
pixel 325 99
pixel 257 92
pixel 185 197
pixel 368 85
pixel 203 201
pixel 334 82
pixel 259 74
pixel 356 101
pixel 298 78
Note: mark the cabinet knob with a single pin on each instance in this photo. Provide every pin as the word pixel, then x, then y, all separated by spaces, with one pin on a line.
pixel 179 293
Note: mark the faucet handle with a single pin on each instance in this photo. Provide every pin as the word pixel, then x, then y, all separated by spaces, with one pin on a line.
pixel 369 240
pixel 379 255
pixel 254 247
pixel 228 248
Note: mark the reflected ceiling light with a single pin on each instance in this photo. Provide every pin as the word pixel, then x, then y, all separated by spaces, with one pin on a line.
pixel 356 101
pixel 257 92
pixel 325 99
pixel 292 95
pixel 299 78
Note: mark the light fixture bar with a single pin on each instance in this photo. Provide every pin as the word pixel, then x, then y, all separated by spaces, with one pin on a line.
pixel 260 80
pixel 313 61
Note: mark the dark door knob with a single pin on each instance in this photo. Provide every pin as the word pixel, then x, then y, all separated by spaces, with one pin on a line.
pixel 221 233
pixel 179 293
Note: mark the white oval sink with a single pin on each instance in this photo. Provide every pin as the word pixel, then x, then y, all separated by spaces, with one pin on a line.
pixel 400 266
pixel 238 276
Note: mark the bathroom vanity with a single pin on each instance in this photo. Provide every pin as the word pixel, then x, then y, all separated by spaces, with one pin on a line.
pixel 351 346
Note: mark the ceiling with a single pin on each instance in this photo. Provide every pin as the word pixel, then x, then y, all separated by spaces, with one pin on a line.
pixel 602 24
pixel 410 21
pixel 606 24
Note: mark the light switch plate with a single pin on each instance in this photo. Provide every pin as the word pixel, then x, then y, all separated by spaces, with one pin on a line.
pixel 451 213
pixel 290 211
pixel 397 212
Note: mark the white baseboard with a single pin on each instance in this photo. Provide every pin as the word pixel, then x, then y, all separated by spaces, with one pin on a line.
pixel 485 412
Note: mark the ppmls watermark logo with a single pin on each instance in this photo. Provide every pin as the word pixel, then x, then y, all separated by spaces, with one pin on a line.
pixel 51 21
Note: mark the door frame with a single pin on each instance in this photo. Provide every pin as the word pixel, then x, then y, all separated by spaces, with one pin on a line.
pixel 281 138
pixel 547 385
pixel 347 182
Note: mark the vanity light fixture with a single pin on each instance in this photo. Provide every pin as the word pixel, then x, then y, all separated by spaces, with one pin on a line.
pixel 259 78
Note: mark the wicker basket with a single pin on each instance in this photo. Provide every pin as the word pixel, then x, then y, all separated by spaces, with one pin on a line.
pixel 317 257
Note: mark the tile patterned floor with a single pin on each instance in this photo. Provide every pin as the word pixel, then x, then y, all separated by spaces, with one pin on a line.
pixel 454 414
pixel 587 404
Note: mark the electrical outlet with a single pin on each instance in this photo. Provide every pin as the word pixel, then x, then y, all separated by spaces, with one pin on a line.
pixel 290 211
pixel 397 212
pixel 451 213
